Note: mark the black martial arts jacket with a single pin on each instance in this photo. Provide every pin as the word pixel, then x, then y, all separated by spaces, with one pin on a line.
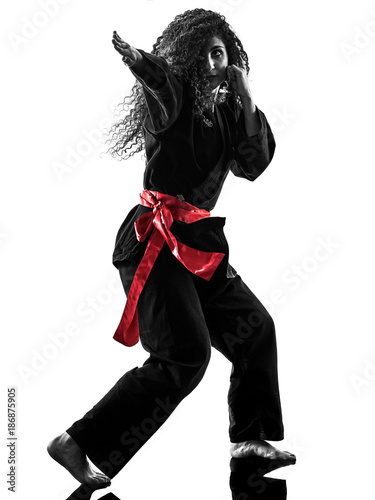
pixel 185 157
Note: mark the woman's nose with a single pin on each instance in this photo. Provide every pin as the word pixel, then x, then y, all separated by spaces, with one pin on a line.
pixel 210 64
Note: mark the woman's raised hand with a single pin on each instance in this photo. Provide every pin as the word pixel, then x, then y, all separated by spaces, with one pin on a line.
pixel 129 53
pixel 239 80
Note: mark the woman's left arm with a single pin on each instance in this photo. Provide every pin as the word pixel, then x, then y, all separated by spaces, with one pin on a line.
pixel 240 83
pixel 254 145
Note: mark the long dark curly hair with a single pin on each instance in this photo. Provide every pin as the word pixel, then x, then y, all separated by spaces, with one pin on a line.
pixel 182 44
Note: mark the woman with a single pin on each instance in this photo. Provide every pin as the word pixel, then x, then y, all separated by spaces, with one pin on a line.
pixel 194 115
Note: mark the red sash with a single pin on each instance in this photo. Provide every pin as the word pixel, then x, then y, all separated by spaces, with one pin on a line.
pixel 166 208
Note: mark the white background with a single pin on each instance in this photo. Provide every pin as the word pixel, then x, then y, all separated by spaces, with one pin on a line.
pixel 312 73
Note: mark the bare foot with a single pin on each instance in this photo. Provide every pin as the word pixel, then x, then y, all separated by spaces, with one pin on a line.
pixel 261 449
pixel 67 453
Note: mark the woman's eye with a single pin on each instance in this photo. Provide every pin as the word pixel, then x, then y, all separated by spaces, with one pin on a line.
pixel 216 53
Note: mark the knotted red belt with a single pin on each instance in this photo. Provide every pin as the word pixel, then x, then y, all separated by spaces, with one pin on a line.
pixel 166 208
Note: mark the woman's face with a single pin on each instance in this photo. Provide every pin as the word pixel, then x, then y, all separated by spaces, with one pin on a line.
pixel 216 61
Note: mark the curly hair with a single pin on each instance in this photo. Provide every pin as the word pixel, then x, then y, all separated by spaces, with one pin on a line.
pixel 182 45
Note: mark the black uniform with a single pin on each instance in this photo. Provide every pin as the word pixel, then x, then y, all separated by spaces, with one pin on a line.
pixel 180 314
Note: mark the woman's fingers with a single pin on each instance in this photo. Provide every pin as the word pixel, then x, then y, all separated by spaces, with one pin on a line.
pixel 120 45
pixel 116 38
pixel 233 70
pixel 124 51
pixel 129 53
pixel 118 48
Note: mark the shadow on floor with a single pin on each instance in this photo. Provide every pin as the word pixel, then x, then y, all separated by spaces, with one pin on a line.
pixel 247 481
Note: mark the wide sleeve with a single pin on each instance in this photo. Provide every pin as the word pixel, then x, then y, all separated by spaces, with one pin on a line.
pixel 253 154
pixel 162 90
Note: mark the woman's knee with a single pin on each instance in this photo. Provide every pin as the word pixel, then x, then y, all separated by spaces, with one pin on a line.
pixel 256 321
pixel 188 371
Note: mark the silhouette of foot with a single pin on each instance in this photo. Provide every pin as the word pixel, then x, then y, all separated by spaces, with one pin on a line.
pixel 260 448
pixel 67 453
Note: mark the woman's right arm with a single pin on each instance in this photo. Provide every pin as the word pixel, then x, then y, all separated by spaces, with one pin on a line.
pixel 162 90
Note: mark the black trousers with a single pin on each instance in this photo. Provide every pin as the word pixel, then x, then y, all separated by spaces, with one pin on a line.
pixel 180 317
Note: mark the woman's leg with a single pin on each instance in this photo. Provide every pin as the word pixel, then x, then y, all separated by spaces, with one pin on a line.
pixel 173 331
pixel 242 329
